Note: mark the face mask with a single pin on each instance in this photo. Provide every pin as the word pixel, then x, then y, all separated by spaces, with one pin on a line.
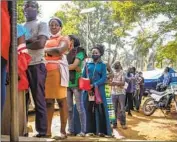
pixel 95 57
pixel 55 35
pixel 116 67
pixel 31 13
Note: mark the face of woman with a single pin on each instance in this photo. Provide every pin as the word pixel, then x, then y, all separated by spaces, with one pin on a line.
pixel 96 54
pixel 54 27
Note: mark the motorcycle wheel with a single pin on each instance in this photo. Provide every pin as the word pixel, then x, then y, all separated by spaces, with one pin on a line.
pixel 149 107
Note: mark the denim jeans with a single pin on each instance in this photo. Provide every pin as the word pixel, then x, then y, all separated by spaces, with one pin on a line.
pixel 80 108
pixel 119 108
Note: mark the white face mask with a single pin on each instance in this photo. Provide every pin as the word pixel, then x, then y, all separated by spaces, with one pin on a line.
pixel 56 35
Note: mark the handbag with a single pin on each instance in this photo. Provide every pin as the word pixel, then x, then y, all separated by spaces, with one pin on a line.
pixel 84 83
pixel 98 98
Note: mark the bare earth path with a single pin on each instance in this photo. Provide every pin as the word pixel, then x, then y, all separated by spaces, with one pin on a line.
pixel 140 127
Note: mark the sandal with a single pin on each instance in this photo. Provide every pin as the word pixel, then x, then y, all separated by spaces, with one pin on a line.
pixel 61 137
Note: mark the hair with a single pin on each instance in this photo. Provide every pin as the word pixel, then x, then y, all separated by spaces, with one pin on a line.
pixel 119 64
pixel 71 56
pixel 58 20
pixel 75 39
pixel 29 1
pixel 140 72
pixel 134 69
pixel 168 69
pixel 100 48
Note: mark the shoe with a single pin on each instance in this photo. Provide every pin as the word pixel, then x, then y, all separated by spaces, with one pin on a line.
pixel 114 126
pixel 70 134
pixel 124 127
pixel 26 135
pixel 81 134
pixel 101 135
pixel 89 134
pixel 40 135
pixel 61 137
pixel 129 113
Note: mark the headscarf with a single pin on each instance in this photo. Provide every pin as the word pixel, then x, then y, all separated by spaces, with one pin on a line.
pixel 58 20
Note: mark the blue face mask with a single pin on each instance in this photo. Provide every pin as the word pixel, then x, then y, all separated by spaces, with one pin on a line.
pixel 95 57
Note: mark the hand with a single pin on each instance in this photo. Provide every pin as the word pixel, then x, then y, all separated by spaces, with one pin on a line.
pixel 32 39
pixel 78 69
pixel 91 86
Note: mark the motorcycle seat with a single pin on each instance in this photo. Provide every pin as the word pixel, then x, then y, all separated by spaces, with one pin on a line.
pixel 157 93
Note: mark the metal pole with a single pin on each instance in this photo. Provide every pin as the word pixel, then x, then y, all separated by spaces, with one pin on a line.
pixel 14 127
pixel 87 33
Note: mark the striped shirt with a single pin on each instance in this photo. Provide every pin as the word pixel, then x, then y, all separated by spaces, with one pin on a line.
pixel 118 77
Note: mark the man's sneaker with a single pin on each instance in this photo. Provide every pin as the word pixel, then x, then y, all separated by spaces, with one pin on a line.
pixel 81 134
pixel 124 126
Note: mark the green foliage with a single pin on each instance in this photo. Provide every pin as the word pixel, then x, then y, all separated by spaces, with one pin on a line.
pixel 169 51
pixel 112 21
pixel 20 14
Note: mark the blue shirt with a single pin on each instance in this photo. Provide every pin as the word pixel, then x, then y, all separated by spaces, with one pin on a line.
pixel 21 30
pixel 130 81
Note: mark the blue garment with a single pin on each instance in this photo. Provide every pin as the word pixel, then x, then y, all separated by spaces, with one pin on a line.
pixel 21 30
pixel 130 88
pixel 74 91
pixel 3 82
pixel 97 121
pixel 166 79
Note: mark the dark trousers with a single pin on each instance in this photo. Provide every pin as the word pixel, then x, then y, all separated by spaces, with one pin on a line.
pixel 129 101
pixel 119 108
pixel 3 82
pixel 136 99
pixel 36 76
pixel 96 118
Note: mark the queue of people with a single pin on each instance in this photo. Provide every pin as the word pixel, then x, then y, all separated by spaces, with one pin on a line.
pixel 56 64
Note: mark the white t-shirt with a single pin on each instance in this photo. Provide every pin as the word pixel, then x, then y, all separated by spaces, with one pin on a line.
pixel 37 28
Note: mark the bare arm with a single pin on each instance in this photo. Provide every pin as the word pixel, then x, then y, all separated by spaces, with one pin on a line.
pixel 38 43
pixel 21 40
pixel 74 65
pixel 63 47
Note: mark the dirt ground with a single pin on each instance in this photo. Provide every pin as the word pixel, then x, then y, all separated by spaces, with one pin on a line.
pixel 140 127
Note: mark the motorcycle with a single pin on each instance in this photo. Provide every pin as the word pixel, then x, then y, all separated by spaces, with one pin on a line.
pixel 160 100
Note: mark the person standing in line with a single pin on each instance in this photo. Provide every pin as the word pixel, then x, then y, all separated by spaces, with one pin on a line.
pixel 141 86
pixel 137 91
pixel 118 95
pixel 75 60
pixel 57 79
pixel 129 91
pixel 97 121
pixel 133 71
pixel 5 46
pixel 36 72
